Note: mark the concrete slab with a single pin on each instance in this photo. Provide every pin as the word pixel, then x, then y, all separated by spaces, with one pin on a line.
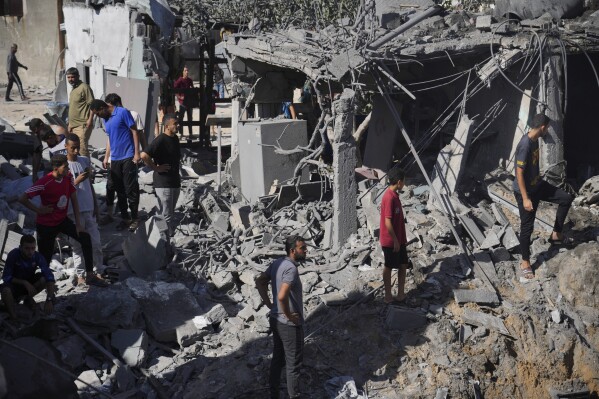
pixel 111 307
pixel 480 319
pixel 477 296
pixel 165 306
pixel 149 238
pixel 132 346
pixel 404 319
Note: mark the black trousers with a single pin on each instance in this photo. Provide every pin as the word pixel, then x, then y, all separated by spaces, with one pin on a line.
pixel 14 78
pixel 47 234
pixel 123 174
pixel 548 193
pixel 289 352
pixel 182 111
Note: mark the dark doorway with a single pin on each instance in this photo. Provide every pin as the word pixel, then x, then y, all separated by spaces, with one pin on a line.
pixel 581 131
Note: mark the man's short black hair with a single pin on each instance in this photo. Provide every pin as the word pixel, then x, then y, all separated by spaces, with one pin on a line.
pixel 46 134
pixel 539 120
pixel 291 241
pixel 72 137
pixel 113 99
pixel 34 123
pixel 27 239
pixel 58 160
pixel 168 117
pixel 72 71
pixel 395 174
pixel 96 105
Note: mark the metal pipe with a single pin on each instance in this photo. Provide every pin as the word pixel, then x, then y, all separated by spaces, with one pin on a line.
pixel 404 27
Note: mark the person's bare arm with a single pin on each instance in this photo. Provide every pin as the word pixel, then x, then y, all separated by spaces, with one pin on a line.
pixel 106 155
pixel 389 227
pixel 41 210
pixel 522 186
pixel 136 157
pixel 152 165
pixel 262 282
pixel 283 298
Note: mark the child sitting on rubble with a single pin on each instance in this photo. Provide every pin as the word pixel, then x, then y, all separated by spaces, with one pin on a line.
pixel 392 236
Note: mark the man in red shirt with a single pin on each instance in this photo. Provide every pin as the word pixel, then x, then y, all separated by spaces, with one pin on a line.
pixel 185 101
pixel 392 236
pixel 55 190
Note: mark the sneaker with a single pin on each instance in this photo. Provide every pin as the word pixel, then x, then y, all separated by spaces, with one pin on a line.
pixel 8 99
pixel 96 280
pixel 133 225
pixel 25 98
pixel 123 224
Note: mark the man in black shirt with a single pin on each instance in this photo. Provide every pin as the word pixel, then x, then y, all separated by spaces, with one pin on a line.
pixel 163 155
pixel 530 189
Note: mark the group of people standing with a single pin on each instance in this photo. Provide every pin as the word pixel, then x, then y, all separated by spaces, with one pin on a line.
pixel 68 202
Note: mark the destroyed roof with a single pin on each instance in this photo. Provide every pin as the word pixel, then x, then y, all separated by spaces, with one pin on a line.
pixel 336 50
pixel 159 11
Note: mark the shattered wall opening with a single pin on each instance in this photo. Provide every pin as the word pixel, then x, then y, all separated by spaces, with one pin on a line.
pixel 580 143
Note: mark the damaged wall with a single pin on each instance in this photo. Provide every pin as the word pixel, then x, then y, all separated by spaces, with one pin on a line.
pixel 37 35
pixel 99 38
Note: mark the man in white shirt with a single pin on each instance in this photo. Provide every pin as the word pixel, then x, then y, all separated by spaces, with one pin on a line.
pixel 81 170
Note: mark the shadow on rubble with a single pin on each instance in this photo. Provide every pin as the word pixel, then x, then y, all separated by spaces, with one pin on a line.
pixel 360 337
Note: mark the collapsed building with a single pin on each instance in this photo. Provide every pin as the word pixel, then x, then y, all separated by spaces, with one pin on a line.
pixel 446 95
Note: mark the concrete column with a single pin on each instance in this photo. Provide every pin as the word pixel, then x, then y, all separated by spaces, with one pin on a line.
pixel 235 109
pixel 344 162
pixel 552 145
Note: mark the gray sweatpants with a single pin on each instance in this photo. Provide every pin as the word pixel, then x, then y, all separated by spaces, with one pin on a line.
pixel 167 200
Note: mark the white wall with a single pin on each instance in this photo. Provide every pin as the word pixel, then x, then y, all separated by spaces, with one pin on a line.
pixel 99 37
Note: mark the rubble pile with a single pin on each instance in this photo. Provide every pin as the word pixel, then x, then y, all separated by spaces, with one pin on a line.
pixel 192 324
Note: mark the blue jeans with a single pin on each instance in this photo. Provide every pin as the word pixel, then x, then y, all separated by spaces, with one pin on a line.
pixel 289 351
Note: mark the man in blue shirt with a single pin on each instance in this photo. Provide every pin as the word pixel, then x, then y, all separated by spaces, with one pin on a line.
pixel 122 153
pixel 21 282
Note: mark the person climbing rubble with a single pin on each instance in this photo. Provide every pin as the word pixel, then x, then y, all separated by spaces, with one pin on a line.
pixel 286 315
pixel 530 189
pixel 22 281
pixel 392 236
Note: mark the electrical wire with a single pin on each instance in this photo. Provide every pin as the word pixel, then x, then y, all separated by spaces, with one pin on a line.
pixel 501 71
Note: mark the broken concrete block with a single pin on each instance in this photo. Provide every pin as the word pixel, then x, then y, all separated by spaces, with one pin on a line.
pixel 149 238
pixel 500 255
pixel 111 307
pixel 165 306
pixel 72 351
pixel 491 240
pixel 327 237
pixel 189 333
pixel 336 298
pixel 132 346
pixel 509 239
pixel 216 314
pixel 218 218
pixel 240 213
pixel 483 22
pixel 475 318
pixel 309 280
pixel 87 378
pixel 223 280
pixel 476 296
pixel 246 314
pixel 248 276
pixel 556 316
pixel 28 377
pixel 404 319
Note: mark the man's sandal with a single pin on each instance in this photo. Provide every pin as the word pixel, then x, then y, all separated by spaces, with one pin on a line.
pixel 566 241
pixel 527 273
